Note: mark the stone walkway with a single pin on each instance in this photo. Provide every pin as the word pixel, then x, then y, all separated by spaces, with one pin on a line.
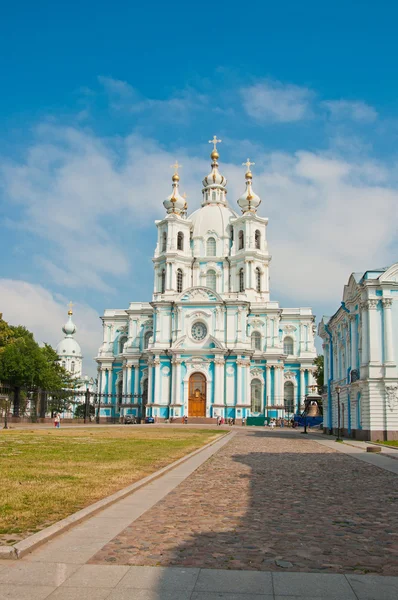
pixel 270 501
pixel 258 509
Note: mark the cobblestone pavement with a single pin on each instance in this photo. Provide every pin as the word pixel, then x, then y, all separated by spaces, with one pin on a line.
pixel 270 501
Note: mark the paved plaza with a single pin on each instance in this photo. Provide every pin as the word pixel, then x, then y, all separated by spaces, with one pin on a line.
pixel 257 515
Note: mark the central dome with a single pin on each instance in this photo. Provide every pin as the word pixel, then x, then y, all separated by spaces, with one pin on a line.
pixel 212 217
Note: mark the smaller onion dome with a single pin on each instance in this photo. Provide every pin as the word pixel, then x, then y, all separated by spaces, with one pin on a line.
pixel 249 201
pixel 214 179
pixel 175 203
pixel 69 328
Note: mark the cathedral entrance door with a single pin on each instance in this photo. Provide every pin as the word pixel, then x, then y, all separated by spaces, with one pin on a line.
pixel 197 395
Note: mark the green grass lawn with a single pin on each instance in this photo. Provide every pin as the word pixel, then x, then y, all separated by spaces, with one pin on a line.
pixel 391 443
pixel 46 475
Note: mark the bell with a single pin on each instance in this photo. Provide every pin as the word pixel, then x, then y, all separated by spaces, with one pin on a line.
pixel 313 409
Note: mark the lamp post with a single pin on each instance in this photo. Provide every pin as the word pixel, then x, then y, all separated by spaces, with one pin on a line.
pixel 338 390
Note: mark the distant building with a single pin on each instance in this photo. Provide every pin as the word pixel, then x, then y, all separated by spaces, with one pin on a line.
pixel 71 358
pixel 360 343
pixel 211 342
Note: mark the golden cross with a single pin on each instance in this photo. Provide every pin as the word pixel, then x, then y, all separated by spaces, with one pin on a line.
pixel 176 166
pixel 70 306
pixel 215 141
pixel 185 195
pixel 248 164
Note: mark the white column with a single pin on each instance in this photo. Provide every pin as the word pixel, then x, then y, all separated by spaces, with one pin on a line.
pixel 176 382
pixel 268 384
pixel 373 343
pixel 128 389
pixel 156 362
pixel 248 387
pixel 221 381
pixel 365 336
pixel 136 380
pixel 217 381
pixel 150 368
pixel 353 342
pixel 325 348
pixel 239 380
pixel 387 331
pixel 302 387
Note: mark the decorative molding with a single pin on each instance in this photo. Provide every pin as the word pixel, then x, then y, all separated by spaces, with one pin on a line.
pixel 290 376
pixel 256 372
pixel 256 323
pixel 199 294
pixel 392 396
pixel 387 302
pixel 197 314
pixel 372 304
pixel 289 328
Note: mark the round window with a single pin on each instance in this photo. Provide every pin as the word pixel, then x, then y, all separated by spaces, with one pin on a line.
pixel 199 331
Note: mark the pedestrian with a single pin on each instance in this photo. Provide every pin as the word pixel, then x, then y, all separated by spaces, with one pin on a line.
pixel 185 420
pixel 282 423
pixel 243 422
pixel 272 424
pixel 58 420
pixel 55 421
pixel 218 421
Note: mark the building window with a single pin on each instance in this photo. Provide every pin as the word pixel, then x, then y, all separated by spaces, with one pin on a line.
pixel 255 388
pixel 72 366
pixel 147 337
pixel 241 280
pixel 122 341
pixel 256 340
pixel 288 394
pixel 164 241
pixel 258 279
pixel 211 279
pixel 257 239
pixel 241 240
pixel 180 241
pixel 163 281
pixel 211 247
pixel 288 345
pixel 63 364
pixel 179 280
pixel 213 196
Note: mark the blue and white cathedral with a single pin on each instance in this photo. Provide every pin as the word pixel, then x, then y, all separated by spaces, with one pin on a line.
pixel 211 343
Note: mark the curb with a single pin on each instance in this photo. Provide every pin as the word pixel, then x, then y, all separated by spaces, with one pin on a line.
pixel 32 542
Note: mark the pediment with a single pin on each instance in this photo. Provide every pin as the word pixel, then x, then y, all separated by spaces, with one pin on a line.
pixel 391 274
pixel 199 294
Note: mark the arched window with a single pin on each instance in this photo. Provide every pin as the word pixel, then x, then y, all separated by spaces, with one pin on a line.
pixel 147 337
pixel 258 279
pixel 211 247
pixel 255 389
pixel 164 241
pixel 122 341
pixel 288 395
pixel 241 280
pixel 63 364
pixel 211 279
pixel 163 281
pixel 180 241
pixel 288 345
pixel 241 240
pixel 179 280
pixel 257 239
pixel 256 340
pixel 72 366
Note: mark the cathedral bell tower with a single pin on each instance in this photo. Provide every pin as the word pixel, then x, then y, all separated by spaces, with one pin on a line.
pixel 172 255
pixel 249 253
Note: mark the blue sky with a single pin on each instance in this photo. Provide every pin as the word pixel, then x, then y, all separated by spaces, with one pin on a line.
pixel 99 99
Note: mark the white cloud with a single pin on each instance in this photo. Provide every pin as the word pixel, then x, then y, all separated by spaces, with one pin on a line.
pixel 81 193
pixel 272 101
pixel 355 111
pixel 24 303
pixel 326 220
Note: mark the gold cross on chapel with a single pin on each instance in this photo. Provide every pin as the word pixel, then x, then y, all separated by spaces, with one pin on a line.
pixel 176 166
pixel 70 307
pixel 215 141
pixel 248 164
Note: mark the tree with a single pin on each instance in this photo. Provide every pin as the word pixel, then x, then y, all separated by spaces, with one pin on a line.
pixel 23 363
pixel 319 363
pixel 80 411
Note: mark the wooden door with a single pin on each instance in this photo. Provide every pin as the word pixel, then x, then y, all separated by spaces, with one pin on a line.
pixel 197 395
